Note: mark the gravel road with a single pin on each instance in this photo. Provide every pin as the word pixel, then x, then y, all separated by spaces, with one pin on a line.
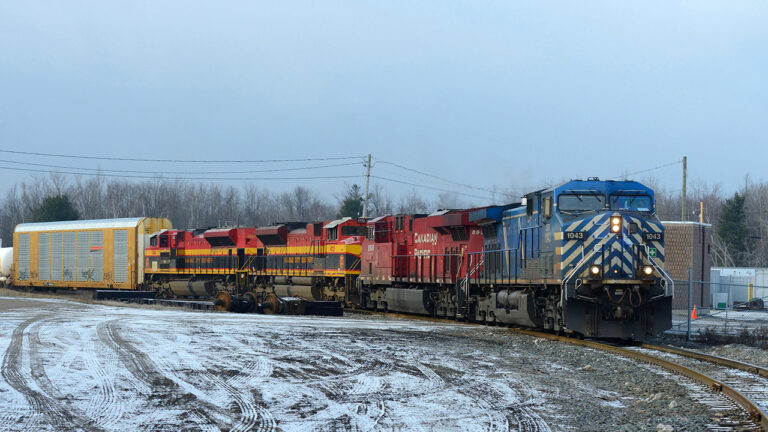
pixel 74 366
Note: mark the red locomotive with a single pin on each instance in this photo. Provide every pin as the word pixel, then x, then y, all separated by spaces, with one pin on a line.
pixel 241 266
pixel 416 263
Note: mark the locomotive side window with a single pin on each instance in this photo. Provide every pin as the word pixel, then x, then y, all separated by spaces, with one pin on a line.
pixel 163 240
pixel 640 203
pixel 333 233
pixel 580 202
pixel 459 234
pixel 547 204
pixel 352 231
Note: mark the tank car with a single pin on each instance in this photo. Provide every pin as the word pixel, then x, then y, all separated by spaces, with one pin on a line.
pixel 6 262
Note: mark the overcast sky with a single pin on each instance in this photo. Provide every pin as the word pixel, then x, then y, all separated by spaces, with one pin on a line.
pixel 506 94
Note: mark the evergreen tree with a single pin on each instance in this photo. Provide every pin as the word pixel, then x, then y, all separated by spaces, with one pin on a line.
pixel 351 203
pixel 732 228
pixel 55 208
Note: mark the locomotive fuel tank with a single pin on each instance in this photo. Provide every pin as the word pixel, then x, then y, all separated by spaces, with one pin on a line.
pixel 515 307
pixel 307 292
pixel 414 301
pixel 294 280
pixel 184 288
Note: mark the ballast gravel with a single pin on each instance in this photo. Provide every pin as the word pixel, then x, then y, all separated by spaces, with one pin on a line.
pixel 600 391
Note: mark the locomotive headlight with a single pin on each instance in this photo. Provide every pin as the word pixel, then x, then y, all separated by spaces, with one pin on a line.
pixel 615 224
pixel 594 271
pixel 647 270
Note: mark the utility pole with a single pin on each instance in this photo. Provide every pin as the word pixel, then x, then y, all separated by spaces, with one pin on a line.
pixel 685 175
pixel 367 178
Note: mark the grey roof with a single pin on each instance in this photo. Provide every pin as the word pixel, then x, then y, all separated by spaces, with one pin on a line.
pixel 79 225
pixel 336 222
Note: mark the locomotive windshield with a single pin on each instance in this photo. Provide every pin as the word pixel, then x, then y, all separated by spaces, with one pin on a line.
pixel 580 202
pixel 641 203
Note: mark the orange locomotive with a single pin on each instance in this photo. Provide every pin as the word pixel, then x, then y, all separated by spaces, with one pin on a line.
pixel 315 261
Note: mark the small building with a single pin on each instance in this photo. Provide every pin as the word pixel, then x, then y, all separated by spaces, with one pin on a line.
pixel 687 245
pixel 737 285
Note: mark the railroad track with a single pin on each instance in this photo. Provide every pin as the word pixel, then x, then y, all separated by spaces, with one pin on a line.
pixel 749 390
pixel 749 380
pixel 748 387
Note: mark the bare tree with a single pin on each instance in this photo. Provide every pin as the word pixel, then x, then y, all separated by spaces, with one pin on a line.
pixel 413 203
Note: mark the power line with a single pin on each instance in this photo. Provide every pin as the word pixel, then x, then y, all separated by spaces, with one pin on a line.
pixel 441 178
pixel 101 170
pixel 157 177
pixel 177 160
pixel 647 170
pixel 427 187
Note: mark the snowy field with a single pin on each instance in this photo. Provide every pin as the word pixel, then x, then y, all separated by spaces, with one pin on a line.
pixel 74 366
pixel 70 366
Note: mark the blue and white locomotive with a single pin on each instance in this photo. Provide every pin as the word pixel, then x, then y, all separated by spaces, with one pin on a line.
pixel 584 257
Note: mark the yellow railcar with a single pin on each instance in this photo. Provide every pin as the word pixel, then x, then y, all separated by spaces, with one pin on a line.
pixel 101 253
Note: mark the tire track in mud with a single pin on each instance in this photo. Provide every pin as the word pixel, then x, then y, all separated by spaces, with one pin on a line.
pixel 161 387
pixel 105 405
pixel 48 402
pixel 37 368
pixel 11 371
pixel 501 417
pixel 252 415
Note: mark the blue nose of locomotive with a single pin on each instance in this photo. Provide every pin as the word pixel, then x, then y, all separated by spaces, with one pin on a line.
pixel 612 245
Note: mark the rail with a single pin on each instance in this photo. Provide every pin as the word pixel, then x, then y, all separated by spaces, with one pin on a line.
pixel 757 415
pixel 722 361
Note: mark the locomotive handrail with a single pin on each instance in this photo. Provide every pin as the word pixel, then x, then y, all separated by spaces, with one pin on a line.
pixel 508 268
pixel 669 287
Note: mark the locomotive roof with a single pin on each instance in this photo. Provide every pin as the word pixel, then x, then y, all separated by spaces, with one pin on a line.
pixel 79 225
pixel 608 186
pixel 337 222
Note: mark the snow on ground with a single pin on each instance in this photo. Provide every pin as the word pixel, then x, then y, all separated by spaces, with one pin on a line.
pixel 721 321
pixel 92 367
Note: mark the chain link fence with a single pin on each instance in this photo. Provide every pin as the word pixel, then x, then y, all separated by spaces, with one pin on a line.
pixel 734 311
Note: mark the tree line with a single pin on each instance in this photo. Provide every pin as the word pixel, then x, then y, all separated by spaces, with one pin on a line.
pixel 739 222
pixel 190 205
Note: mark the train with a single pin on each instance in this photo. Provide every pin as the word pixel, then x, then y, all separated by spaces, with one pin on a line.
pixel 584 258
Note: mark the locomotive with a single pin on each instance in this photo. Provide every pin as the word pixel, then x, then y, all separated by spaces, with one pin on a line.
pixel 585 257
pixel 241 266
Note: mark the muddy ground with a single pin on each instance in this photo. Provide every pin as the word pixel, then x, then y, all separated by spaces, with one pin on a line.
pixel 75 366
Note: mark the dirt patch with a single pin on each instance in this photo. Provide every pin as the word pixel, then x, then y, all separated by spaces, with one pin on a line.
pixel 8 304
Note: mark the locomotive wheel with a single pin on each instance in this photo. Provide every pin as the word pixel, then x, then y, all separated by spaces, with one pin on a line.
pixel 250 299
pixel 223 301
pixel 271 305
